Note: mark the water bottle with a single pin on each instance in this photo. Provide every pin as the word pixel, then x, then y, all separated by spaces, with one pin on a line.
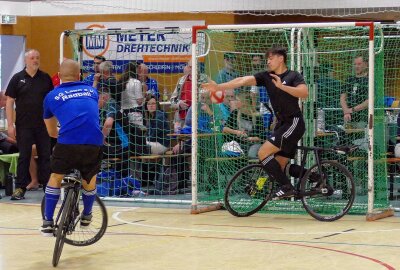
pixel 165 94
pixel 2 118
pixel 321 120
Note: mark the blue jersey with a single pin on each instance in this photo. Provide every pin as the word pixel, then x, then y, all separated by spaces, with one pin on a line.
pixel 89 79
pixel 75 105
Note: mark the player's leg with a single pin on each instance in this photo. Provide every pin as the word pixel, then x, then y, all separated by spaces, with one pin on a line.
pixel 90 166
pixel 52 195
pixel 89 192
pixel 274 168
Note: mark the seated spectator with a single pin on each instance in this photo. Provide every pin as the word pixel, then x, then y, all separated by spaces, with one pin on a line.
pixel 245 126
pixel 157 126
pixel 151 84
pixel 227 73
pixel 98 59
pixel 9 146
pixel 132 94
pixel 223 110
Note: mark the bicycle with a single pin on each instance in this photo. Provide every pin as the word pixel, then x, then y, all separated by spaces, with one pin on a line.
pixel 69 215
pixel 327 198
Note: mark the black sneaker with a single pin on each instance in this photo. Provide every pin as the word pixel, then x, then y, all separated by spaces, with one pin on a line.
pixel 47 228
pixel 284 192
pixel 86 220
pixel 18 194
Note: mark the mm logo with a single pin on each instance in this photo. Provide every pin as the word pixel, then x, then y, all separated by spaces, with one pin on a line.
pixel 96 44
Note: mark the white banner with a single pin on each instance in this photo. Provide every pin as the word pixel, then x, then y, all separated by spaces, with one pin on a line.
pixel 161 51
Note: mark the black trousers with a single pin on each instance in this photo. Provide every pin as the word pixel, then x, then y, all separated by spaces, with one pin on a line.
pixel 26 137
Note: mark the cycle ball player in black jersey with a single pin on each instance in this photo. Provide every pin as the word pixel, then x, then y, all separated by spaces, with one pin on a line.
pixel 284 88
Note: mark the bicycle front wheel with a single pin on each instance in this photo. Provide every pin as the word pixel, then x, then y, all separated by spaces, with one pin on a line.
pixel 62 227
pixel 248 191
pixel 84 236
pixel 330 198
pixel 88 235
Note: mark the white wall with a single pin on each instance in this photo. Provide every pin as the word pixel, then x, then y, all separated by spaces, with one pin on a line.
pixel 74 7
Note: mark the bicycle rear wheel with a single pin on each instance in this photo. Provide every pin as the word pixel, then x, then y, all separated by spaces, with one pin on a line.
pixel 62 227
pixel 84 236
pixel 248 191
pixel 332 199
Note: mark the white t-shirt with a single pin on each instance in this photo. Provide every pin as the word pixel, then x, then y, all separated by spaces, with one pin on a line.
pixel 132 92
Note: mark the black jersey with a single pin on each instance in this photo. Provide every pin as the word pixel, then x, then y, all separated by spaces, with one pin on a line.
pixel 29 93
pixel 283 104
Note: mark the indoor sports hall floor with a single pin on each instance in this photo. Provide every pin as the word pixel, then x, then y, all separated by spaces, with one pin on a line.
pixel 167 238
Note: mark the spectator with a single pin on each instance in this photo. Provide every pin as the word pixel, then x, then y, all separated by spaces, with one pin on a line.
pixel 27 90
pixel 151 84
pixel 228 72
pixel 97 60
pixel 121 140
pixel 224 109
pixel 181 98
pixel 354 98
pixel 157 126
pixel 245 126
pixel 106 78
pixel 132 94
pixel 56 77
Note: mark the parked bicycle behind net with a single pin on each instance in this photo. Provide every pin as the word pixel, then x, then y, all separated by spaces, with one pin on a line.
pixel 68 228
pixel 326 190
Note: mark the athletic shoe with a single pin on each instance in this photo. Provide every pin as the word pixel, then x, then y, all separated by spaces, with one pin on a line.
pixel 47 228
pixel 18 194
pixel 284 192
pixel 86 220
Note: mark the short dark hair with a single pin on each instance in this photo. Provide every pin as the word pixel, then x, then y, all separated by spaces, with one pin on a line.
pixel 100 57
pixel 277 51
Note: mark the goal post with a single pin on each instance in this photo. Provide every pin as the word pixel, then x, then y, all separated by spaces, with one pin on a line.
pixel 311 48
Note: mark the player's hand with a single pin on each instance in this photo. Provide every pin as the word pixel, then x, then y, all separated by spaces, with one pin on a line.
pixel 241 133
pixel 276 80
pixel 211 86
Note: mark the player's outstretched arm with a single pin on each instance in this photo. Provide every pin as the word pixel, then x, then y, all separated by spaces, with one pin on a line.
pixel 235 83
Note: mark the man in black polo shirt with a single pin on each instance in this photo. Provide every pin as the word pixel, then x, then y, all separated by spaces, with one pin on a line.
pixel 284 88
pixel 27 90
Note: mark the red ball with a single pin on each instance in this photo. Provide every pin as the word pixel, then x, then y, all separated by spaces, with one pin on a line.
pixel 217 96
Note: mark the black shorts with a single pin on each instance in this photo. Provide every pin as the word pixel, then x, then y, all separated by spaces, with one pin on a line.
pixel 287 134
pixel 82 157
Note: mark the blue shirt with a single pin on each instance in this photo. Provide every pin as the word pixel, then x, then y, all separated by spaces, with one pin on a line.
pixel 152 87
pixel 75 105
pixel 89 79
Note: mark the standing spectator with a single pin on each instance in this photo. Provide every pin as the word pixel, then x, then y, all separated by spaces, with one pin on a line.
pixel 151 84
pixel 132 94
pixel 228 72
pixel 98 59
pixel 27 90
pixel 181 98
pixel 157 126
pixel 56 77
pixel 354 98
pixel 105 78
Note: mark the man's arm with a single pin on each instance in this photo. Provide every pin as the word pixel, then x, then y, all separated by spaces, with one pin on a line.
pixel 108 123
pixel 10 117
pixel 235 83
pixel 51 125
